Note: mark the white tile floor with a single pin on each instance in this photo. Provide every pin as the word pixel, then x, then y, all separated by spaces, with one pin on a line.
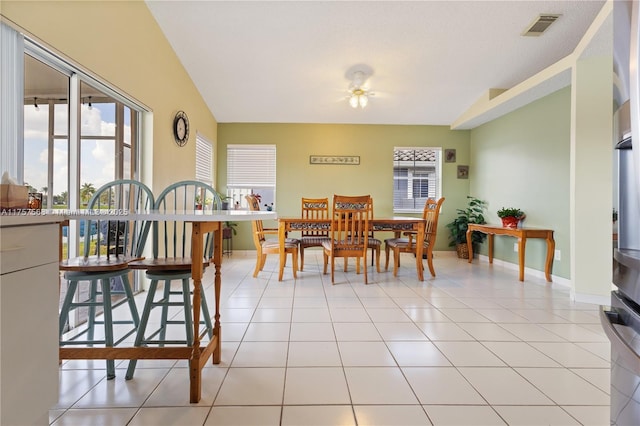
pixel 473 346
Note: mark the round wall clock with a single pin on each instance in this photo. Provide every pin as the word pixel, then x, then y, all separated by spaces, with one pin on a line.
pixel 181 128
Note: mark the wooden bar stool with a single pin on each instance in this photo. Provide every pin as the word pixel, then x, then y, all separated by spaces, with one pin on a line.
pixel 117 243
pixel 172 262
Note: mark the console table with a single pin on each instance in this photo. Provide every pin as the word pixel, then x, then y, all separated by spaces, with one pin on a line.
pixel 521 234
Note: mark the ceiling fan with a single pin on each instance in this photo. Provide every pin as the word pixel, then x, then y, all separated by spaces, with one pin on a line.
pixel 358 90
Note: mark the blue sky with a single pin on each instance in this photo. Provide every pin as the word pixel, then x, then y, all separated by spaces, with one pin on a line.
pixel 97 163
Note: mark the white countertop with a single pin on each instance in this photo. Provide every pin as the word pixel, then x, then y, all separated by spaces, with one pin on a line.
pixel 32 217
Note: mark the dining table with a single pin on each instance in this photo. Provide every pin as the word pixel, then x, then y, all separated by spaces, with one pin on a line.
pixel 202 222
pixel 396 224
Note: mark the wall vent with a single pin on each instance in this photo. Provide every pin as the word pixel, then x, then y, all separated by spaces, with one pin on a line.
pixel 540 25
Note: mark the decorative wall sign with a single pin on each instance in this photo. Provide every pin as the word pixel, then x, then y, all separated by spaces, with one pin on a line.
pixel 351 160
pixel 449 155
pixel 463 172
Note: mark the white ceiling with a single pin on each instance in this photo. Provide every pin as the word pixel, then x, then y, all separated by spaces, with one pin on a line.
pixel 287 61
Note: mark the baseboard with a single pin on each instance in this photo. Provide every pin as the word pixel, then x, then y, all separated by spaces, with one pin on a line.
pixel 561 281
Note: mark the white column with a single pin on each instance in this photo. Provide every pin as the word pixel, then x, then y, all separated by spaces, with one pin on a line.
pixel 591 179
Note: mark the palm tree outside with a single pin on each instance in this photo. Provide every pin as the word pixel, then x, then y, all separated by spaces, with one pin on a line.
pixel 86 191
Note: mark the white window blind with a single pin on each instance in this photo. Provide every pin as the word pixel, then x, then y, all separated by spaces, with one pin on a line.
pixel 251 166
pixel 204 160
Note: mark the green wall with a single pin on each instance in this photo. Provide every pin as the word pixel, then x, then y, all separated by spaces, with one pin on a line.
pixel 373 143
pixel 523 160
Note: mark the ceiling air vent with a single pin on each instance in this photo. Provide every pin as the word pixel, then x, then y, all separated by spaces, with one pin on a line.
pixel 539 25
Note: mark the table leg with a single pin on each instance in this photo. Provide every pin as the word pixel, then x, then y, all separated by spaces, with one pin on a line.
pixel 195 374
pixel 551 248
pixel 469 246
pixel 490 238
pixel 522 243
pixel 217 260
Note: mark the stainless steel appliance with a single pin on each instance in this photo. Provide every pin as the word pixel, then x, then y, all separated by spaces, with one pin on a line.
pixel 621 321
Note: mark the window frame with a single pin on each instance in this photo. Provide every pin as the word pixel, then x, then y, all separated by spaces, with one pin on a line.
pixel 415 173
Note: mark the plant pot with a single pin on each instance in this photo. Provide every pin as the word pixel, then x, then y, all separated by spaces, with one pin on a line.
pixel 227 233
pixel 462 250
pixel 225 205
pixel 510 222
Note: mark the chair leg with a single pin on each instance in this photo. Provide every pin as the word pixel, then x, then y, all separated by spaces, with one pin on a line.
pixel 66 306
pixel 142 327
pixel 131 301
pixel 430 263
pixel 333 268
pixel 164 313
pixel 205 313
pixel 301 258
pixel 386 257
pixel 377 259
pixel 258 263
pixel 294 256
pixel 91 314
pixel 188 313
pixel 108 325
pixel 325 262
pixel 364 264
pixel 396 261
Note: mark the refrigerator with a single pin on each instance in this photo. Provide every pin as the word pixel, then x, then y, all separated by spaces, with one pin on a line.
pixel 621 320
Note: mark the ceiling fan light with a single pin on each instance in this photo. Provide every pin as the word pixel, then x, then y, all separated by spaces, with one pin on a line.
pixel 353 101
pixel 364 100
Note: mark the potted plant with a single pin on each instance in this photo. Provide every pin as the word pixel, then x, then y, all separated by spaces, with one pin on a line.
pixel 510 216
pixel 225 200
pixel 229 229
pixel 474 213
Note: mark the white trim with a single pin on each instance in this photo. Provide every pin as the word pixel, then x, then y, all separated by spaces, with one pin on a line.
pixel 527 271
pixel 11 101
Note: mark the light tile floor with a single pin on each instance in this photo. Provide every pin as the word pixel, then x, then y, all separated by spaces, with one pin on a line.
pixel 473 346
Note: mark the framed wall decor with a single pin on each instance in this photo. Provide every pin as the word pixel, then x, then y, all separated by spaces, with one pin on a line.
pixel 463 172
pixel 449 155
pixel 352 160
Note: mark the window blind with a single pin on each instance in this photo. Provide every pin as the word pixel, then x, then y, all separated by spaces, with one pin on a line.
pixel 204 160
pixel 251 166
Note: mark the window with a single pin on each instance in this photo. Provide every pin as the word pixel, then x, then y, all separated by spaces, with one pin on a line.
pixel 416 177
pixel 251 169
pixel 65 166
pixel 204 160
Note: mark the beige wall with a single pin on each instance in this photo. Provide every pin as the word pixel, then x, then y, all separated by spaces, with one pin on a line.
pixel 373 143
pixel 120 43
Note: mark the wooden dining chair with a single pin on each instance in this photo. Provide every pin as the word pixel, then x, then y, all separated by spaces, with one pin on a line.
pixel 349 235
pixel 109 247
pixel 265 245
pixel 408 243
pixel 313 208
pixel 374 243
pixel 171 262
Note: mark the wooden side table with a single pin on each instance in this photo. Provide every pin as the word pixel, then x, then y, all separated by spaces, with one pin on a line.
pixel 521 234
